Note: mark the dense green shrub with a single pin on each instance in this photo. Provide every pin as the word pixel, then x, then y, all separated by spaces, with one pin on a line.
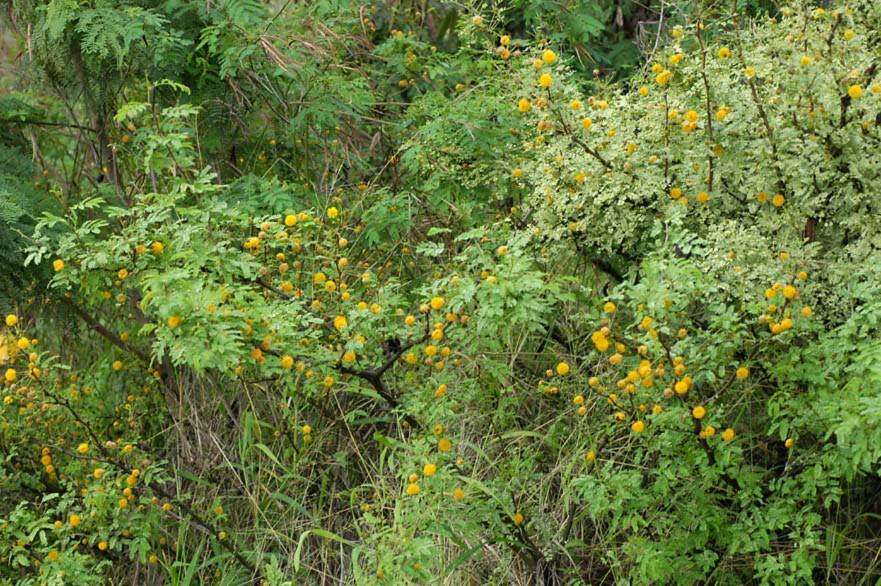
pixel 383 294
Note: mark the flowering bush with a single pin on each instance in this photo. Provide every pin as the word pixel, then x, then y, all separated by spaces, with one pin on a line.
pixel 407 315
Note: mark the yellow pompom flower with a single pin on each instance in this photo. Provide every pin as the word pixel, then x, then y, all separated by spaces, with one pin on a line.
pixel 58 265
pixel 563 368
pixel 664 77
pixel 545 81
pixel 600 342
pixel 681 387
pixel 698 412
pixel 549 57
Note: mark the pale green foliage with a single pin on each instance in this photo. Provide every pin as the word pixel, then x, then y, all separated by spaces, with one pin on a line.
pixel 704 267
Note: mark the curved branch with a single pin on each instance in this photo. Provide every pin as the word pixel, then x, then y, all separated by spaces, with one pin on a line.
pixel 102 330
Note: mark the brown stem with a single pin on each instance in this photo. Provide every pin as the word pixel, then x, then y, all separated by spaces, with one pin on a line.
pixel 110 336
pixel 374 375
pixel 754 92
pixel 709 105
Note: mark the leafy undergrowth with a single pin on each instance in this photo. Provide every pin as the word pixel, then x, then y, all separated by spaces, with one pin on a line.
pixel 394 295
